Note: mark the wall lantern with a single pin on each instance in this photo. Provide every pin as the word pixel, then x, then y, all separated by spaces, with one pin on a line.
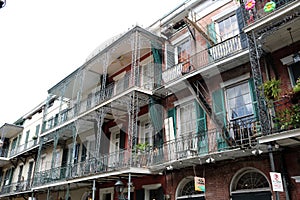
pixel 119 189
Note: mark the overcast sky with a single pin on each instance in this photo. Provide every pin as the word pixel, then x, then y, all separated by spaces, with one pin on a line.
pixel 44 41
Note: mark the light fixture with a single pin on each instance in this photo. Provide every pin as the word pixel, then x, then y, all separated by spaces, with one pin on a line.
pixel 119 186
pixel 2 3
pixel 169 167
pixel 210 160
pixel 296 56
pixel 256 152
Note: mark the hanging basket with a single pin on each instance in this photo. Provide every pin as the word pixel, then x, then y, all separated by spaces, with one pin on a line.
pixel 250 4
pixel 270 6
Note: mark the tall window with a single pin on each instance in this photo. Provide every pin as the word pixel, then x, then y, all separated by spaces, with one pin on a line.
pixel 239 101
pixel 227 27
pixel 183 51
pixel 146 133
pixel 187 118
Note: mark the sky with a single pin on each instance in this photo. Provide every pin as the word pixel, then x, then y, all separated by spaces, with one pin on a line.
pixel 41 42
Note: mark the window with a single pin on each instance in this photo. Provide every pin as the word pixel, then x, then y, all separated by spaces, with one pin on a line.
pixel 294 71
pixel 227 28
pixel 43 163
pixel 146 133
pixel 183 51
pixel 239 101
pixel 187 118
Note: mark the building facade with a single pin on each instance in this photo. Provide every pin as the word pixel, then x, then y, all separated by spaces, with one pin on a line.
pixel 206 95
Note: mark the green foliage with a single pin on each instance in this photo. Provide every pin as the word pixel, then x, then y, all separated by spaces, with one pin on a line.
pixel 141 146
pixel 296 88
pixel 288 118
pixel 272 89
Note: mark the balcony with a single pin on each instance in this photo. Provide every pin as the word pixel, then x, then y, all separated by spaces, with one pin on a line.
pixel 285 121
pixel 206 58
pixel 23 148
pixel 15 188
pixel 240 133
pixel 260 11
pixel 104 164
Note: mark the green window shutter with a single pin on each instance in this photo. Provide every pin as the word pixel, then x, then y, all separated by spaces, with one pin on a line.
pixel 211 32
pixel 201 129
pixel 172 113
pixel 219 110
pixel 253 96
pixel 219 105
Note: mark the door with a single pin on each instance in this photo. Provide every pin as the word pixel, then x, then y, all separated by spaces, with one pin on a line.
pixel 114 148
pixel 29 174
pixel 252 196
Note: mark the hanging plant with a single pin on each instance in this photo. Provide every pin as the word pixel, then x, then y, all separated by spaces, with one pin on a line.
pixel 270 6
pixel 250 4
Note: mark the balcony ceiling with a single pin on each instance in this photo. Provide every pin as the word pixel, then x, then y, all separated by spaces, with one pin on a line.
pixel 10 130
pixel 281 37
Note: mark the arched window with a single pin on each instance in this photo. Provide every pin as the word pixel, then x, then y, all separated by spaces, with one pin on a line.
pixel 186 190
pixel 249 183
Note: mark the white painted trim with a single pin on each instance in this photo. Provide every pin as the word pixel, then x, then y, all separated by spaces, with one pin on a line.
pixel 224 13
pixel 184 100
pixel 108 190
pixel 279 136
pixel 235 80
pixel 180 38
pixel 152 186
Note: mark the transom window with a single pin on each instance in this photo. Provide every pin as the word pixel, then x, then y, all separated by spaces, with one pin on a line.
pixel 227 28
pixel 239 101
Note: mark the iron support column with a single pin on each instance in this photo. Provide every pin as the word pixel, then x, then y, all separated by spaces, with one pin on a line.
pixel 270 149
pixel 255 52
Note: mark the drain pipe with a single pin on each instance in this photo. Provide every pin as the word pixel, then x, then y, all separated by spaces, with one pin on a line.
pixel 270 150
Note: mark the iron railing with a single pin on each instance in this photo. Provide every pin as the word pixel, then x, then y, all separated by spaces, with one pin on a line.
pixel 240 133
pixel 258 12
pixel 22 148
pixel 98 95
pixel 17 187
pixel 205 57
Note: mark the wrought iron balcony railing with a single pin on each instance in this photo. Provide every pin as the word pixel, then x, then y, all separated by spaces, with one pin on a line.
pixel 205 58
pixel 240 133
pixel 98 95
pixel 260 11
pixel 102 164
pixel 22 148
pixel 17 187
